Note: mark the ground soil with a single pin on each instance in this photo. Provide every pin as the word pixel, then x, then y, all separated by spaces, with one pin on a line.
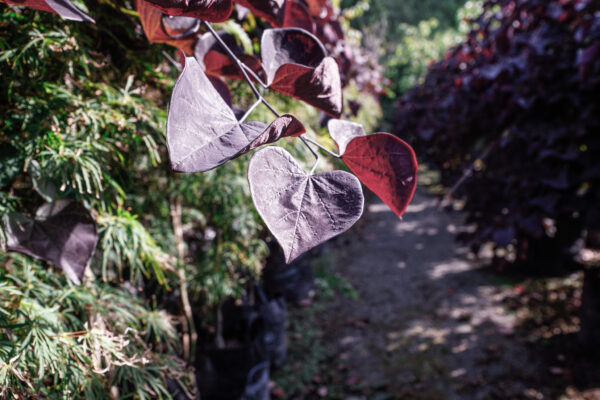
pixel 431 321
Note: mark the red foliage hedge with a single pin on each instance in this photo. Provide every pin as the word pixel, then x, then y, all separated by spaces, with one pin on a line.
pixel 525 83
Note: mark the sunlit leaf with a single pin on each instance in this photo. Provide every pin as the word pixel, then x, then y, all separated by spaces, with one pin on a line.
pixel 296 65
pixel 202 130
pixel 382 162
pixel 301 210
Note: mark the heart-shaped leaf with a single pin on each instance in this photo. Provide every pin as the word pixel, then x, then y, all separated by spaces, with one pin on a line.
pixel 62 233
pixel 301 210
pixel 296 65
pixel 153 22
pixel 208 10
pixel 383 162
pixel 210 54
pixel 203 132
pixel 64 8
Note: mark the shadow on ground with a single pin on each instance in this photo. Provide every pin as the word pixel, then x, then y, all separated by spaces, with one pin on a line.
pixel 430 321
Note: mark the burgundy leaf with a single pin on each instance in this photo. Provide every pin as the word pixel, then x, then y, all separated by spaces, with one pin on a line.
pixel 64 8
pixel 208 10
pixel 62 233
pixel 281 13
pixel 203 132
pixel 383 162
pixel 157 29
pixel 269 10
pixel 284 126
pixel 297 15
pixel 296 65
pixel 343 132
pixel 301 210
pixel 216 61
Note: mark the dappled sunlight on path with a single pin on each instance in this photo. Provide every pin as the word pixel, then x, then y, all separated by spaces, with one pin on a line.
pixel 429 323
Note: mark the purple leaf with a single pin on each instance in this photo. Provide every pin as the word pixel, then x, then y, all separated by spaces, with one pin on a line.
pixel 203 132
pixel 296 64
pixel 289 46
pixel 211 55
pixel 62 233
pixel 343 132
pixel 301 210
pixel 161 29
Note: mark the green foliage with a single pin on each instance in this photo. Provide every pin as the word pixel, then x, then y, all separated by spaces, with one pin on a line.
pixel 84 119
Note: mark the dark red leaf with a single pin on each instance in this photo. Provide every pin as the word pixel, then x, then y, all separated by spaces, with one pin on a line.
pixel 297 15
pixel 269 10
pixel 281 13
pixel 203 132
pixel 216 61
pixel 62 233
pixel 296 65
pixel 386 165
pixel 208 10
pixel 156 31
pixel 301 210
pixel 64 8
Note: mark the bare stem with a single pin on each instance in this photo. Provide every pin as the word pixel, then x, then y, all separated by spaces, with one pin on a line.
pixel 320 146
pixel 191 335
pixel 241 65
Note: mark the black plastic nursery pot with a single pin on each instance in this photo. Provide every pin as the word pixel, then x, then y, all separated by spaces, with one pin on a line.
pixel 254 337
pixel 293 281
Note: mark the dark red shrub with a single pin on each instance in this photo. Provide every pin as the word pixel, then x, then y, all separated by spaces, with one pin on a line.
pixel 525 85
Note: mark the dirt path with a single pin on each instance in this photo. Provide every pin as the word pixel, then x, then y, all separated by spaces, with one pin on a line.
pixel 428 323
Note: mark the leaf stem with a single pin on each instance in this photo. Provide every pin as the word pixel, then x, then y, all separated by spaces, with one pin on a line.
pixel 241 67
pixel 320 146
pixel 256 104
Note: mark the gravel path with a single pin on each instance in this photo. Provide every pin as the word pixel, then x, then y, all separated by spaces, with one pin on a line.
pixel 428 323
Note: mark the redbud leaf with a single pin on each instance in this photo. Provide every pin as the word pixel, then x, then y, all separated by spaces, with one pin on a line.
pixel 296 64
pixel 202 130
pixel 152 20
pixel 386 165
pixel 301 210
pixel 210 54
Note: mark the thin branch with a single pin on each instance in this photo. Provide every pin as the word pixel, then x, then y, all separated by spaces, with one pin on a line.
pixel 254 75
pixel 172 61
pixel 191 336
pixel 241 67
pixel 320 146
pixel 247 114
